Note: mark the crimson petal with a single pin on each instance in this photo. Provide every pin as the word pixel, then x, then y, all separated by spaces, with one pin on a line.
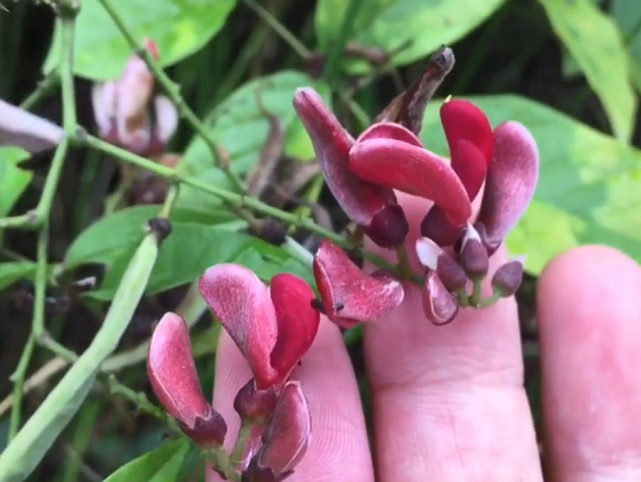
pixel 242 304
pixel 412 169
pixel 463 120
pixel 390 130
pixel 365 203
pixel 348 295
pixel 511 180
pixel 297 321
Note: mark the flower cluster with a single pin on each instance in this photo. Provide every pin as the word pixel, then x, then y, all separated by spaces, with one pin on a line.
pixel 273 327
pixel 500 166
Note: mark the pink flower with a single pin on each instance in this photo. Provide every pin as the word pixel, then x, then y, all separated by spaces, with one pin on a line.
pixel 273 327
pixel 123 109
pixel 172 372
pixel 349 296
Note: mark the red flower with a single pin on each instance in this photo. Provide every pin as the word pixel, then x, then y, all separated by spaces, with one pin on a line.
pixel 172 372
pixel 349 296
pixel 273 327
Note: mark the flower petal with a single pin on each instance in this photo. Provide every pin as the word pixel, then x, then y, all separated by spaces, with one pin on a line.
pixel 242 303
pixel 390 130
pixel 361 200
pixel 166 119
pixel 172 373
pixel 297 321
pixel 348 295
pixel 463 120
pixel 511 180
pixel 412 169
pixel 439 229
pixel 470 165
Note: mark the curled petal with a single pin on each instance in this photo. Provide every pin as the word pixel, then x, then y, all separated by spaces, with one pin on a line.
pixel 297 321
pixel 390 130
pixel 286 435
pixel 511 180
pixel 462 120
pixel 470 166
pixel 361 200
pixel 242 304
pixel 172 372
pixel 19 127
pixel 412 169
pixel 348 295
pixel 439 305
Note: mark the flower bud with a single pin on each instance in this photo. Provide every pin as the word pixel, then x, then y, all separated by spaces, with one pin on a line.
pixel 255 405
pixel 435 258
pixel 285 438
pixel 508 278
pixel 436 226
pixel 439 305
pixel 474 258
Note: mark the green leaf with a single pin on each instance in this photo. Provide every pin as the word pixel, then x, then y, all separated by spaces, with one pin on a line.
pixel 595 42
pixel 239 127
pixel 13 180
pixel 160 465
pixel 628 16
pixel 192 248
pixel 589 189
pixel 179 27
pixel 14 271
pixel 421 25
pixel 105 240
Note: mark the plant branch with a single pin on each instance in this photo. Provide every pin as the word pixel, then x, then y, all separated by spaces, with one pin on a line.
pixel 172 89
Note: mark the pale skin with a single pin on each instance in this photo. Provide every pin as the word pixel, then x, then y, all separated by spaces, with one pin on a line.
pixel 449 403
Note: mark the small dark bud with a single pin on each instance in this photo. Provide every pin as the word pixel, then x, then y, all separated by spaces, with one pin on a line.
pixel 450 273
pixel 206 432
pixel 161 227
pixel 388 227
pixel 272 231
pixel 508 278
pixel 436 226
pixel 475 260
pixel 491 244
pixel 255 405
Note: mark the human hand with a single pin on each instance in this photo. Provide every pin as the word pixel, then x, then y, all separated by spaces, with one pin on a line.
pixel 448 401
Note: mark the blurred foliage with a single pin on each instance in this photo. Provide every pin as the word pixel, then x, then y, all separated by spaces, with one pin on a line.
pixel 569 70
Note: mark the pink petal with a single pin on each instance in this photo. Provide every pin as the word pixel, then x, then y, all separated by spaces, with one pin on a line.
pixel 439 305
pixel 288 432
pixel 172 373
pixel 103 98
pixel 19 127
pixel 470 166
pixel 242 304
pixel 511 180
pixel 360 200
pixel 414 170
pixel 348 295
pixel 166 118
pixel 463 120
pixel 390 130
pixel 297 321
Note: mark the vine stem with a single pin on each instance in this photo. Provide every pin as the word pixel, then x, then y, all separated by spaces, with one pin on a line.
pixel 66 21
pixel 173 91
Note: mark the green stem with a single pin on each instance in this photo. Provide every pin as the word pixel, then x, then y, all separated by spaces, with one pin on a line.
pixel 336 52
pixel 46 85
pixel 40 283
pixel 219 459
pixel 490 300
pixel 242 439
pixel 404 261
pixel 279 28
pixel 173 91
pixel 475 298
pixel 18 378
pixel 139 399
pixel 69 121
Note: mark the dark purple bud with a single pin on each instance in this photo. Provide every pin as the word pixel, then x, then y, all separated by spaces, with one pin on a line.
pixel 508 278
pixel 439 305
pixel 285 438
pixel 474 258
pixel 437 259
pixel 436 226
pixel 255 405
pixel 172 373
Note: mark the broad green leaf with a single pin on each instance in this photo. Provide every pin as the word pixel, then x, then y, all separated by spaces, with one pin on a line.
pixel 13 180
pixel 179 28
pixel 628 16
pixel 589 189
pixel 14 271
pixel 239 127
pixel 192 248
pixel 104 240
pixel 160 465
pixel 595 42
pixel 416 27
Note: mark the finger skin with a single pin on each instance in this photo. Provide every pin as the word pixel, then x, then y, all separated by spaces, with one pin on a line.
pixel 449 402
pixel 589 306
pixel 339 448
